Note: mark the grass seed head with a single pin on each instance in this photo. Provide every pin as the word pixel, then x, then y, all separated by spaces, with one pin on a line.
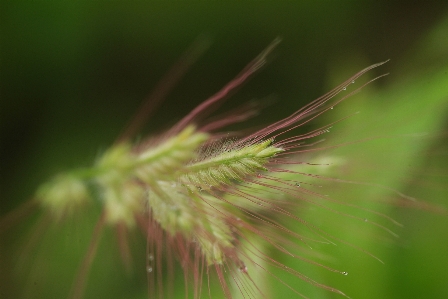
pixel 206 205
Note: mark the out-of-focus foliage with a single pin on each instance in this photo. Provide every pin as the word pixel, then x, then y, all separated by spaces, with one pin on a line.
pixel 406 120
pixel 72 74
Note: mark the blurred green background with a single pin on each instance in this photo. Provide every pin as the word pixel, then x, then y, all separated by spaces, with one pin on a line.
pixel 73 74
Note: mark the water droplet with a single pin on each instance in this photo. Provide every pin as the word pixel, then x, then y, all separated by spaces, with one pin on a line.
pixel 243 269
pixel 149 269
pixel 353 81
pixel 150 257
pixel 344 273
pixel 298 184
pixel 331 108
pixel 345 88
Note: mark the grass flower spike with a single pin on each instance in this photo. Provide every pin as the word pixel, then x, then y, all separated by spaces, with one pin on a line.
pixel 205 201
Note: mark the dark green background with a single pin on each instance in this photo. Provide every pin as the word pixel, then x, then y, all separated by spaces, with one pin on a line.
pixel 73 74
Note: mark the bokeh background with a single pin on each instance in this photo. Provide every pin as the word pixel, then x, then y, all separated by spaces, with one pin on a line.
pixel 74 73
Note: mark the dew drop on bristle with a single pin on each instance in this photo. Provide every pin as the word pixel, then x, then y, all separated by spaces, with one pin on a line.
pixel 353 81
pixel 150 257
pixel 345 88
pixel 344 273
pixel 149 269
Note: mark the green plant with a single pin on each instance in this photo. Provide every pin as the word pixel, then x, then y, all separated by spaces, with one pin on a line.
pixel 213 201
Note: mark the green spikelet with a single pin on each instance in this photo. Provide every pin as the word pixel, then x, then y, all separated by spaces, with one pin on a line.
pixel 161 161
pixel 179 211
pixel 63 195
pixel 229 166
